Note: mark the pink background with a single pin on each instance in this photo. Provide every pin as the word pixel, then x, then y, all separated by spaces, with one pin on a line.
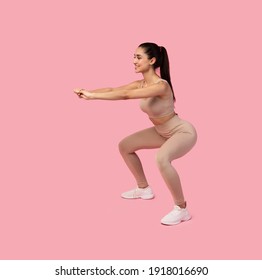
pixel 61 172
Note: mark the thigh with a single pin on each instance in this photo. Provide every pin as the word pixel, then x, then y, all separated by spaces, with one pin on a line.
pixel 145 139
pixel 177 146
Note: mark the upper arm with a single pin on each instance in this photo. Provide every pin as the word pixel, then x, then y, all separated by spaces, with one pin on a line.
pixel 130 86
pixel 158 89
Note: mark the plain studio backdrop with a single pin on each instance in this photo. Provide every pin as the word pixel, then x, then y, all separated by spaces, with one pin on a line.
pixel 61 172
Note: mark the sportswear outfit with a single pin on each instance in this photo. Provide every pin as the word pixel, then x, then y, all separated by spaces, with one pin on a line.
pixel 174 138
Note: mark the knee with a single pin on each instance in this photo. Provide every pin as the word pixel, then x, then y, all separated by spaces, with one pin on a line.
pixel 123 146
pixel 162 160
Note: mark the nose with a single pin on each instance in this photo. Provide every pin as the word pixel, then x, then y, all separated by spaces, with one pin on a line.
pixel 135 60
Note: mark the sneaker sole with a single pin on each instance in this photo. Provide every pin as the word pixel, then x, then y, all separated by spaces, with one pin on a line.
pixel 140 197
pixel 176 223
pixel 148 196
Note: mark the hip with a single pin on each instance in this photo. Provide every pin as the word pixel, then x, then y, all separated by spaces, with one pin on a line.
pixel 175 125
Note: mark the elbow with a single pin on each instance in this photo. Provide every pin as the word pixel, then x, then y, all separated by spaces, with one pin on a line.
pixel 126 95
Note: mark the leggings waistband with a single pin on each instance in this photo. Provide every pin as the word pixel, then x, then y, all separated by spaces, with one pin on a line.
pixel 175 125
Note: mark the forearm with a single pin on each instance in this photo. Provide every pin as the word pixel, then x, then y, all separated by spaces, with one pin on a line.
pixel 104 94
pixel 101 90
pixel 110 95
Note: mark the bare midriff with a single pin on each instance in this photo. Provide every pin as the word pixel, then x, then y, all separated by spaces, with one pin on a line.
pixel 161 120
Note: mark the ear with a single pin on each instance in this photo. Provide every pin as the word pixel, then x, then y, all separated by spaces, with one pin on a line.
pixel 152 61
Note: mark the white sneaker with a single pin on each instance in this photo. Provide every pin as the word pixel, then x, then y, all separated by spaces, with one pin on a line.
pixel 144 193
pixel 176 216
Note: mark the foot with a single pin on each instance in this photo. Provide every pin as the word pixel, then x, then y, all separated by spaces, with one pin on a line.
pixel 144 193
pixel 176 216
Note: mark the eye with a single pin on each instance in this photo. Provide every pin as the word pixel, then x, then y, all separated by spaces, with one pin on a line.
pixel 137 56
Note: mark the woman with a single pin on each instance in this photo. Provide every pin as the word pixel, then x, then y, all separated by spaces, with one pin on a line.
pixel 173 136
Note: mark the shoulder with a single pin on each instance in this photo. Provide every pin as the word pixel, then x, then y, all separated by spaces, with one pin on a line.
pixel 162 81
pixel 163 84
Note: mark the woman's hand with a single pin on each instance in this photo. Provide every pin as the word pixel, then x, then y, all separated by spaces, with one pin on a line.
pixel 86 94
pixel 78 91
pixel 82 93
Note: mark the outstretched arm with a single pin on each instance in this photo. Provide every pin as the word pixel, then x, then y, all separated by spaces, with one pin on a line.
pixel 125 92
pixel 132 85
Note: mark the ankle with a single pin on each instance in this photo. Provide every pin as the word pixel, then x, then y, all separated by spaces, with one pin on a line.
pixel 182 205
pixel 142 186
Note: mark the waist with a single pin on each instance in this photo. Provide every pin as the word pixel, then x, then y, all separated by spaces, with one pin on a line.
pixel 163 119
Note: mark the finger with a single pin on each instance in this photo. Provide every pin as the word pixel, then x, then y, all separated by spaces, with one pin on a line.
pixel 76 90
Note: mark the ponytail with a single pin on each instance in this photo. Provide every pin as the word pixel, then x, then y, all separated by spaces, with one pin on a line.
pixel 162 61
pixel 164 68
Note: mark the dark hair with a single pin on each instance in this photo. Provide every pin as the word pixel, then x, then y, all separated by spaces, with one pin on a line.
pixel 162 61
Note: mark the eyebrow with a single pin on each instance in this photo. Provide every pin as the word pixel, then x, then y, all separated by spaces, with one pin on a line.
pixel 137 55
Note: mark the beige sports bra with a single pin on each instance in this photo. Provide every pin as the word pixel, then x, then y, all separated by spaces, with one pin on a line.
pixel 157 107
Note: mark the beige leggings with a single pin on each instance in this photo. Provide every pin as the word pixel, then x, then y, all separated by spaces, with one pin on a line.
pixel 174 139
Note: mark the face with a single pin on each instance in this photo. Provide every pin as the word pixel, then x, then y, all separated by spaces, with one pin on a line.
pixel 141 61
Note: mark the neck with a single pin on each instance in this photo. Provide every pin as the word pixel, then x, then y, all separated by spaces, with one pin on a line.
pixel 150 77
